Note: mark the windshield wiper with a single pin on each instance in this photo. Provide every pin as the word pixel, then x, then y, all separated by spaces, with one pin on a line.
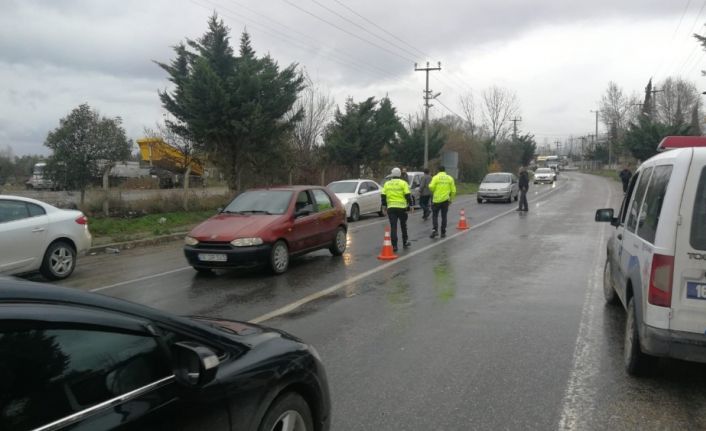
pixel 258 212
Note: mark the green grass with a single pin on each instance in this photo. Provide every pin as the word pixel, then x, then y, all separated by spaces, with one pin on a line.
pixel 123 228
pixel 466 188
pixel 608 173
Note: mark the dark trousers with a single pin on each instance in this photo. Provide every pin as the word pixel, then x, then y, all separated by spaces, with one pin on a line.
pixel 395 214
pixel 424 203
pixel 523 200
pixel 443 208
pixel 625 185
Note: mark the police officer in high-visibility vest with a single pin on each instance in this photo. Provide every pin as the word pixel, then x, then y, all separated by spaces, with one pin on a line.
pixel 443 189
pixel 397 199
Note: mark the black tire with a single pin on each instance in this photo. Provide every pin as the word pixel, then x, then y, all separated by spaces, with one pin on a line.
pixel 636 362
pixel 517 196
pixel 338 247
pixel 203 271
pixel 279 258
pixel 59 261
pixel 480 201
pixel 355 213
pixel 609 293
pixel 290 403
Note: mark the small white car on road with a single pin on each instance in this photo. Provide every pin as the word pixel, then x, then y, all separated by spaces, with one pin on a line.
pixel 498 186
pixel 36 236
pixel 656 264
pixel 544 175
pixel 359 197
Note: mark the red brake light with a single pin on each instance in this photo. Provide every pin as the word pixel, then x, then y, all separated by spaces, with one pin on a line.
pixel 660 292
pixel 82 220
pixel 671 142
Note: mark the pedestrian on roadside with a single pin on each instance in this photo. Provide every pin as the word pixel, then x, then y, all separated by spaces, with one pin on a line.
pixel 404 175
pixel 523 184
pixel 625 176
pixel 425 194
pixel 397 199
pixel 443 190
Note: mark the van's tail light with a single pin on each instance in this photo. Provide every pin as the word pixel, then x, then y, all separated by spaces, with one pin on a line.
pixel 82 220
pixel 660 292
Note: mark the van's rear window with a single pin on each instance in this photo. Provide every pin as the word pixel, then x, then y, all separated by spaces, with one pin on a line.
pixel 698 221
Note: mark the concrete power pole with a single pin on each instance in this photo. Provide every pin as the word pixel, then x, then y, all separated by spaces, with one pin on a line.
pixel 514 127
pixel 427 97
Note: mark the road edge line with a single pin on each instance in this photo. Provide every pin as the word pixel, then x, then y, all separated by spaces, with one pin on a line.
pixel 147 277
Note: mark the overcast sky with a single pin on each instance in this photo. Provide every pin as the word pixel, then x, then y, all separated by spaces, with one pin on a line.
pixel 557 55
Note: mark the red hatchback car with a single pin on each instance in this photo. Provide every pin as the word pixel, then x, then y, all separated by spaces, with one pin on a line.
pixel 268 226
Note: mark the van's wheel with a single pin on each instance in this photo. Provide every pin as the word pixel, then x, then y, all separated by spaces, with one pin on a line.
pixel 355 213
pixel 637 363
pixel 288 412
pixel 609 293
pixel 338 247
pixel 59 261
pixel 279 258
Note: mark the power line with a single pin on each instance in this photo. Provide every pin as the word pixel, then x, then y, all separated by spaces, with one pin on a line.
pixel 671 41
pixel 693 28
pixel 449 109
pixel 348 32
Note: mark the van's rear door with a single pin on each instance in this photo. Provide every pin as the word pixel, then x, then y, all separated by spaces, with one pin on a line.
pixel 689 282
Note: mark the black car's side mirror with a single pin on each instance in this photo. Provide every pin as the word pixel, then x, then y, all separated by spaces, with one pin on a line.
pixel 194 365
pixel 606 215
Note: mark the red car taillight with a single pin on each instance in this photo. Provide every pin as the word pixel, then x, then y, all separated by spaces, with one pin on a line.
pixel 660 292
pixel 82 220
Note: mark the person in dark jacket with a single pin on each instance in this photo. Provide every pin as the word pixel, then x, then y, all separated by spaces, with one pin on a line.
pixel 425 194
pixel 523 184
pixel 625 176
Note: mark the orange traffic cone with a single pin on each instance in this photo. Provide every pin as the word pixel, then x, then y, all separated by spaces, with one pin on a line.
pixel 386 253
pixel 462 224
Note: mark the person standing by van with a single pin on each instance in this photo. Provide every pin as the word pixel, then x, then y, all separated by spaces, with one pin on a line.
pixel 523 184
pixel 443 190
pixel 625 176
pixel 397 198
pixel 425 194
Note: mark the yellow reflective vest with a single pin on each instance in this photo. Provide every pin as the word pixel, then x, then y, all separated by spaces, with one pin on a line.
pixel 443 188
pixel 395 192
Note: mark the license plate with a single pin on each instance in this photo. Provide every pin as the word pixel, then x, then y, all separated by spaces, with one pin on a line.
pixel 210 257
pixel 695 290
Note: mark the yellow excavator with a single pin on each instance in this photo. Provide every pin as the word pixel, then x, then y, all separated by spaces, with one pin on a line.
pixel 168 163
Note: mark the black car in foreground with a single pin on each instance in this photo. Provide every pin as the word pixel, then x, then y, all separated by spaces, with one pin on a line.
pixel 79 361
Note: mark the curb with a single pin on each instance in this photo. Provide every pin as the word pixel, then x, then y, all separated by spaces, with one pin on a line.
pixel 115 247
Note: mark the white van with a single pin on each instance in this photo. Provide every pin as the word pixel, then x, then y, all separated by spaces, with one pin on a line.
pixel 656 265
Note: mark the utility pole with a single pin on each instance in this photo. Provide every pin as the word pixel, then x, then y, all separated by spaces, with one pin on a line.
pixel 654 100
pixel 558 145
pixel 514 127
pixel 427 97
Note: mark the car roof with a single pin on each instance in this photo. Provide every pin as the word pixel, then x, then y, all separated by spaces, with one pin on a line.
pixel 673 154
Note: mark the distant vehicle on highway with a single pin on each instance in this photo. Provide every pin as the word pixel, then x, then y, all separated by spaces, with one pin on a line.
pixel 544 175
pixel 36 236
pixel 656 264
pixel 359 197
pixel 77 360
pixel 268 226
pixel 38 180
pixel 498 186
pixel 414 180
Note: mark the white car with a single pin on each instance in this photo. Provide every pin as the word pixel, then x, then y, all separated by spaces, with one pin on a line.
pixel 359 197
pixel 498 186
pixel 656 264
pixel 36 236
pixel 544 175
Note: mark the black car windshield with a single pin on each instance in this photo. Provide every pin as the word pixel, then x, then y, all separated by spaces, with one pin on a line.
pixel 343 187
pixel 497 178
pixel 260 202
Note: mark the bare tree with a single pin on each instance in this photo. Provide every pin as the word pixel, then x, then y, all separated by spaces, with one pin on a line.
pixel 676 100
pixel 615 108
pixel 316 104
pixel 498 107
pixel 468 107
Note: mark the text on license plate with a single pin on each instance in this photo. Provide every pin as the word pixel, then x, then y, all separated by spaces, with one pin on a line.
pixel 695 290
pixel 211 257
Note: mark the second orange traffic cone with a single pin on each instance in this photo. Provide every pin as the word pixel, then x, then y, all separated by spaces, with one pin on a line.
pixel 462 223
pixel 386 253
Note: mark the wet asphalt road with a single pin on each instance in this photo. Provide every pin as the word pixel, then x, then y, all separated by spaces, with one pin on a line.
pixel 499 327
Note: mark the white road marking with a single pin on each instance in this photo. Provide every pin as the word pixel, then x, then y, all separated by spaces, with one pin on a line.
pixel 147 277
pixel 579 395
pixel 317 295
